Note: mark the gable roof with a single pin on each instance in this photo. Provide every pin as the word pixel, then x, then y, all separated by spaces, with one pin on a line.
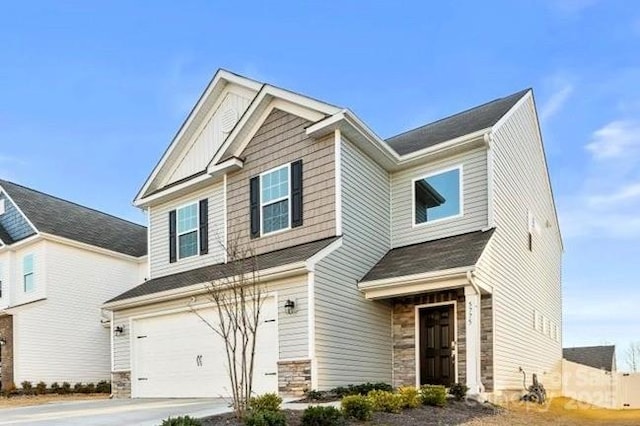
pixel 66 219
pixel 436 255
pixel 460 124
pixel 4 236
pixel 601 357
pixel 219 271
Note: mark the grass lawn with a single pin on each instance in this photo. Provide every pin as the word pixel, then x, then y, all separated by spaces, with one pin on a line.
pixel 24 401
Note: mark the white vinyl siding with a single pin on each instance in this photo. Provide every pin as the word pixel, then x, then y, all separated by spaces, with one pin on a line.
pixel 526 283
pixel 159 232
pixel 352 334
pixel 293 340
pixel 61 338
pixel 474 196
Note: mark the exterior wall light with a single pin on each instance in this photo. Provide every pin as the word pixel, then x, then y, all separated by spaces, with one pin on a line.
pixel 118 330
pixel 2 341
pixel 289 306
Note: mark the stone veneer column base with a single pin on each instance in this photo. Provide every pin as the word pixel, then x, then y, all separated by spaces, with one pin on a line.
pixel 294 377
pixel 121 384
pixel 6 332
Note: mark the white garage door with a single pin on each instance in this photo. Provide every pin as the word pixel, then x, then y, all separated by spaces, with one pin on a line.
pixel 179 356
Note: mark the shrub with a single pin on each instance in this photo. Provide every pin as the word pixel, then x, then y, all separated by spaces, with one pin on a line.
pixel 41 388
pixel 385 401
pixel 55 387
pixel 314 395
pixel 265 418
pixel 89 388
pixel 78 388
pixel 410 396
pixel 103 387
pixel 322 416
pixel 435 395
pixel 459 391
pixel 340 391
pixel 181 421
pixel 357 407
pixel 361 389
pixel 267 402
pixel 27 387
pixel 66 388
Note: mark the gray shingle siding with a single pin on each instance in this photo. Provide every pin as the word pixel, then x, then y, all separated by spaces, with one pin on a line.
pixel 13 223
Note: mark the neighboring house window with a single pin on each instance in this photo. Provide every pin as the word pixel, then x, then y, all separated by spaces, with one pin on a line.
pixel 276 199
pixel 27 273
pixel 1 279
pixel 189 230
pixel 438 196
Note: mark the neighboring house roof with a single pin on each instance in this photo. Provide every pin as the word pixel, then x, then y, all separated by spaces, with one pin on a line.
pixel 437 255
pixel 463 123
pixel 4 236
pixel 219 271
pixel 601 357
pixel 65 219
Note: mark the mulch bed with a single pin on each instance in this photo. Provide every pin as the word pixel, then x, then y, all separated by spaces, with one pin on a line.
pixel 454 413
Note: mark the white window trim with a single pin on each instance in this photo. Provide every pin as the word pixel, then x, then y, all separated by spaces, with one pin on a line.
pixel 197 229
pixel 460 214
pixel 32 273
pixel 277 200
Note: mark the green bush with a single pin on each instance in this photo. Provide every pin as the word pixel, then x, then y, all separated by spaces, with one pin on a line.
pixel 55 387
pixel 357 407
pixel 361 389
pixel 385 401
pixel 314 395
pixel 410 396
pixel 27 387
pixel 103 387
pixel 181 421
pixel 322 416
pixel 41 388
pixel 89 388
pixel 78 388
pixel 265 418
pixel 435 395
pixel 66 388
pixel 267 402
pixel 459 391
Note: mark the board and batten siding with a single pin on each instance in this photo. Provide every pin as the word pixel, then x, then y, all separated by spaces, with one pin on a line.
pixel 61 337
pixel 280 140
pixel 474 182
pixel 352 334
pixel 523 280
pixel 292 328
pixel 159 232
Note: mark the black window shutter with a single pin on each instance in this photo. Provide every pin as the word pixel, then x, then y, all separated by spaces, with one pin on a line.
pixel 172 237
pixel 296 193
pixel 204 226
pixel 254 201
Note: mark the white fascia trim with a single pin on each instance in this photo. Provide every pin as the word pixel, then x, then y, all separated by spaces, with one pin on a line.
pixel 311 262
pixel 219 81
pixel 284 271
pixel 337 147
pixel 18 245
pixel 92 248
pixel 225 167
pixel 400 285
pixel 144 202
pixel 19 209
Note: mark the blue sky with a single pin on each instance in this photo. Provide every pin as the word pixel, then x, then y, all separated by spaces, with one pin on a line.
pixel 91 93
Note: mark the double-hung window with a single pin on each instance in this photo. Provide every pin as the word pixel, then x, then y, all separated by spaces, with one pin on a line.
pixel 27 273
pixel 187 218
pixel 275 194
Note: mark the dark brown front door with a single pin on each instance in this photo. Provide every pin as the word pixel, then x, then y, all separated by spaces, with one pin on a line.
pixel 436 341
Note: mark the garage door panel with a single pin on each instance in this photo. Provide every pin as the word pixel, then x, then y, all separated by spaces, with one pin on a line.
pixel 178 355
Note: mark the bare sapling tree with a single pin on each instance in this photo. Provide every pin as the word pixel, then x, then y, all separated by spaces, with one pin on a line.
pixel 238 296
pixel 633 357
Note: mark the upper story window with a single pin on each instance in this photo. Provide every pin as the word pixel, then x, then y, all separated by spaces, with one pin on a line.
pixel 438 196
pixel 276 199
pixel 27 273
pixel 189 230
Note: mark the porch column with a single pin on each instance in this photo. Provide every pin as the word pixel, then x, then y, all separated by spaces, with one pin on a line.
pixel 472 325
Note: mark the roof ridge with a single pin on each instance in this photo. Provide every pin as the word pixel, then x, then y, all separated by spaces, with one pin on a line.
pixel 4 181
pixel 520 92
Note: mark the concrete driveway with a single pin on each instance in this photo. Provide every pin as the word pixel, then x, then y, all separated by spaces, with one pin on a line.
pixel 119 412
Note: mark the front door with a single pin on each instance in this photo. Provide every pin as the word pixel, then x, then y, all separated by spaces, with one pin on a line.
pixel 436 343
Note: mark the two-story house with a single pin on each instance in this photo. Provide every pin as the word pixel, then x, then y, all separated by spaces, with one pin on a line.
pixel 59 261
pixel 431 257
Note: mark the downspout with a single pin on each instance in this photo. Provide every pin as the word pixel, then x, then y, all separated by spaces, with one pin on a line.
pixel 478 369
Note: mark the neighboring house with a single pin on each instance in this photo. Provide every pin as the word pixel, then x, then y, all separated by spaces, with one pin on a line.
pixel 431 257
pixel 59 261
pixel 601 357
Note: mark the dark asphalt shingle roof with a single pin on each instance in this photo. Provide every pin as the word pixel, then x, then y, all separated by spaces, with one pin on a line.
pixel 69 220
pixel 463 123
pixel 218 271
pixel 601 357
pixel 437 255
pixel 4 236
